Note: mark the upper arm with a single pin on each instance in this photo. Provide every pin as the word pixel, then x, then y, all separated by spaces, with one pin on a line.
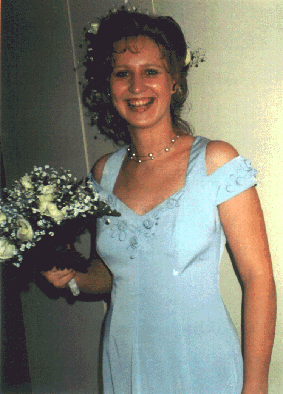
pixel 97 169
pixel 244 227
pixel 242 220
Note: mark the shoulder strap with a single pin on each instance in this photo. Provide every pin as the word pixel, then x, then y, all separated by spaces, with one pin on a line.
pixel 197 163
pixel 112 168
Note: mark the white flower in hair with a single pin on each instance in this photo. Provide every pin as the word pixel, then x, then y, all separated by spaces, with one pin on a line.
pixel 188 57
pixel 93 28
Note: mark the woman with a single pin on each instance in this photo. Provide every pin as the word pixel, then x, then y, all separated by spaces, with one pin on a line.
pixel 167 330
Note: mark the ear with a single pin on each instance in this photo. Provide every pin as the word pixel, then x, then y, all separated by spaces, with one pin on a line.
pixel 174 87
pixel 175 82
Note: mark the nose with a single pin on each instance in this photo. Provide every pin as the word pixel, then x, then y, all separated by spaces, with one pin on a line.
pixel 137 84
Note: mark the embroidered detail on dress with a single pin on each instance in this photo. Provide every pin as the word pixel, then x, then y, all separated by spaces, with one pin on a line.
pixel 120 230
pixel 133 248
pixel 125 232
pixel 111 201
pixel 148 223
pixel 244 172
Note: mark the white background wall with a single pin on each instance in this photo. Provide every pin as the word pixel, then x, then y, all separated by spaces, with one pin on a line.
pixel 236 96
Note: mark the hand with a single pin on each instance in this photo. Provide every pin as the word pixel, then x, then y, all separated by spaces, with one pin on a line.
pixel 59 278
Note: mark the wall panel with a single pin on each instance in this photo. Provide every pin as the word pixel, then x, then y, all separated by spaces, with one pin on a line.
pixel 41 125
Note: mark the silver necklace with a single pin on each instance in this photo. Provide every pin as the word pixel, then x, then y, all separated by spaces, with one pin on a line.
pixel 150 156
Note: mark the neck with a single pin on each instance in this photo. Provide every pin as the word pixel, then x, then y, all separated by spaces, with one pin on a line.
pixel 152 145
pixel 146 141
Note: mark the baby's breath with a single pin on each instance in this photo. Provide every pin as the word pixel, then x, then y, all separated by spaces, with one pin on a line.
pixel 39 204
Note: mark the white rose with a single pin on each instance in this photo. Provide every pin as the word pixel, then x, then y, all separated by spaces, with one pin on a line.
pixel 25 231
pixel 48 189
pixel 3 217
pixel 50 209
pixel 43 198
pixel 43 207
pixel 47 193
pixel 26 182
pixel 7 250
pixel 55 213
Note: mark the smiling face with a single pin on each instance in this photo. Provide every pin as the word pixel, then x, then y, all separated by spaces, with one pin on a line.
pixel 141 85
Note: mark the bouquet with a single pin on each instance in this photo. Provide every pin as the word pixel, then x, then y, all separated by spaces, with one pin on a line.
pixel 42 214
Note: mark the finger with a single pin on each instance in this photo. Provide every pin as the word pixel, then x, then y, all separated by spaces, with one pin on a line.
pixel 54 269
pixel 63 281
pixel 65 271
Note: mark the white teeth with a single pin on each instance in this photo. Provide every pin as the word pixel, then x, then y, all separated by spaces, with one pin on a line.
pixel 140 103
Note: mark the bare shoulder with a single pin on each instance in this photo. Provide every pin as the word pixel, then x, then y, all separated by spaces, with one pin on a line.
pixel 97 169
pixel 218 153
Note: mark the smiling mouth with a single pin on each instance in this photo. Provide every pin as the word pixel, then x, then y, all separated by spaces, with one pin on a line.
pixel 140 104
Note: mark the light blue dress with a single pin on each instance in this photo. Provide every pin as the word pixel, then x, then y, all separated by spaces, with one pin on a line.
pixel 167 330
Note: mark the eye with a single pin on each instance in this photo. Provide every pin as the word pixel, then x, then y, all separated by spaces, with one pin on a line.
pixel 121 74
pixel 151 72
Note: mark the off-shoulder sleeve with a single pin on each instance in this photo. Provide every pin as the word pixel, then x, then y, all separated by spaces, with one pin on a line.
pixel 233 178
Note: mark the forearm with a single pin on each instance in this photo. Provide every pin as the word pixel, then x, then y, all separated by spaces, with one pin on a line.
pixel 97 280
pixel 259 305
